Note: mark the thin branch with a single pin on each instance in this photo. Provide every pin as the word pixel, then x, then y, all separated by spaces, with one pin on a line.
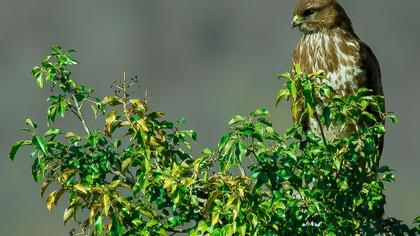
pixel 177 231
pixel 131 180
pixel 320 127
pixel 80 115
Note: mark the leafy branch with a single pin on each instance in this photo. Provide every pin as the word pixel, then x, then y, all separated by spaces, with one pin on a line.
pixel 144 179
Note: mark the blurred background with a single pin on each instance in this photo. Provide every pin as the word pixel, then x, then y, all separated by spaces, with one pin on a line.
pixel 202 60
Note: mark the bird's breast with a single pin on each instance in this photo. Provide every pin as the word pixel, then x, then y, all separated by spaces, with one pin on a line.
pixel 334 53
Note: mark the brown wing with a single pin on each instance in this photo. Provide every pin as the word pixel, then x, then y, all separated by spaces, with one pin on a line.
pixel 370 64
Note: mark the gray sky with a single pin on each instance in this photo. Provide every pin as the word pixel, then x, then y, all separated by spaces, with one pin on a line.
pixel 202 60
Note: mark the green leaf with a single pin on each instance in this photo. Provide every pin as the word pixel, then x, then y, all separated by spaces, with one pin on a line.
pixel 236 119
pixel 284 76
pixel 56 48
pixel 31 124
pixel 392 117
pixel 330 234
pixel 36 172
pixel 242 149
pixel 259 112
pixel 307 91
pixel 52 132
pixel 293 89
pixel 116 228
pixel 98 225
pixel 52 112
pixel 145 212
pixel 297 69
pixel 223 141
pixel 39 141
pixel 282 93
pixel 146 165
pixel 242 230
pixel 309 110
pixel 36 72
pixel 384 169
pixel 16 147
pixel 229 145
pixel 326 114
pixel 156 115
pixel 38 78
pixel 63 107
pixel 254 220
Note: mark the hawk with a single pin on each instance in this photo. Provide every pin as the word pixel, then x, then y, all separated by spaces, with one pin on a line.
pixel 330 44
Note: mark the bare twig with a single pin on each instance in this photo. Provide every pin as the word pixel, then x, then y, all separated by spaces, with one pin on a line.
pixel 80 115
pixel 320 127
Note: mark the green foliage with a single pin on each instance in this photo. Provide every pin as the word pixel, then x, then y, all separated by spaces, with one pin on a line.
pixel 137 176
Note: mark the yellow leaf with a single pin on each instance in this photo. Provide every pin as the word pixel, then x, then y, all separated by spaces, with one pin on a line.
pixel 167 183
pixel 106 204
pixel 70 135
pixel 66 174
pixel 210 200
pixel 68 213
pixel 153 142
pixel 44 187
pixel 125 123
pixel 309 110
pixel 137 104
pixel 112 100
pixel 189 181
pixel 51 200
pixel 230 200
pixel 125 164
pixel 235 214
pixel 242 230
pixel 80 188
pixel 214 218
pixel 123 201
pixel 254 219
pixel 241 192
pixel 115 183
pixel 118 183
pixel 142 123
pixel 173 188
pixel 110 119
pixel 145 212
pixel 297 69
pixel 92 213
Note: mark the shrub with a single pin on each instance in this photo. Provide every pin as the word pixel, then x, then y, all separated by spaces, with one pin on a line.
pixel 137 175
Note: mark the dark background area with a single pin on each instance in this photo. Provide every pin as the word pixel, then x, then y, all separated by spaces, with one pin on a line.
pixel 202 60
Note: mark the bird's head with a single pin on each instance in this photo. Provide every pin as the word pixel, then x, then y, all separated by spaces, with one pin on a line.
pixel 312 16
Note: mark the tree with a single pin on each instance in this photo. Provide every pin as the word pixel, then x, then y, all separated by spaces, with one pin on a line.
pixel 137 175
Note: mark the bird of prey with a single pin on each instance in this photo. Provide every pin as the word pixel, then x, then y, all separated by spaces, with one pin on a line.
pixel 330 44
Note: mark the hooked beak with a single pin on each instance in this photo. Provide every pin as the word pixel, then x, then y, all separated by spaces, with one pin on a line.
pixel 296 22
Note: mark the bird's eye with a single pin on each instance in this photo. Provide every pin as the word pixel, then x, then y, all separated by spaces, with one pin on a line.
pixel 308 12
